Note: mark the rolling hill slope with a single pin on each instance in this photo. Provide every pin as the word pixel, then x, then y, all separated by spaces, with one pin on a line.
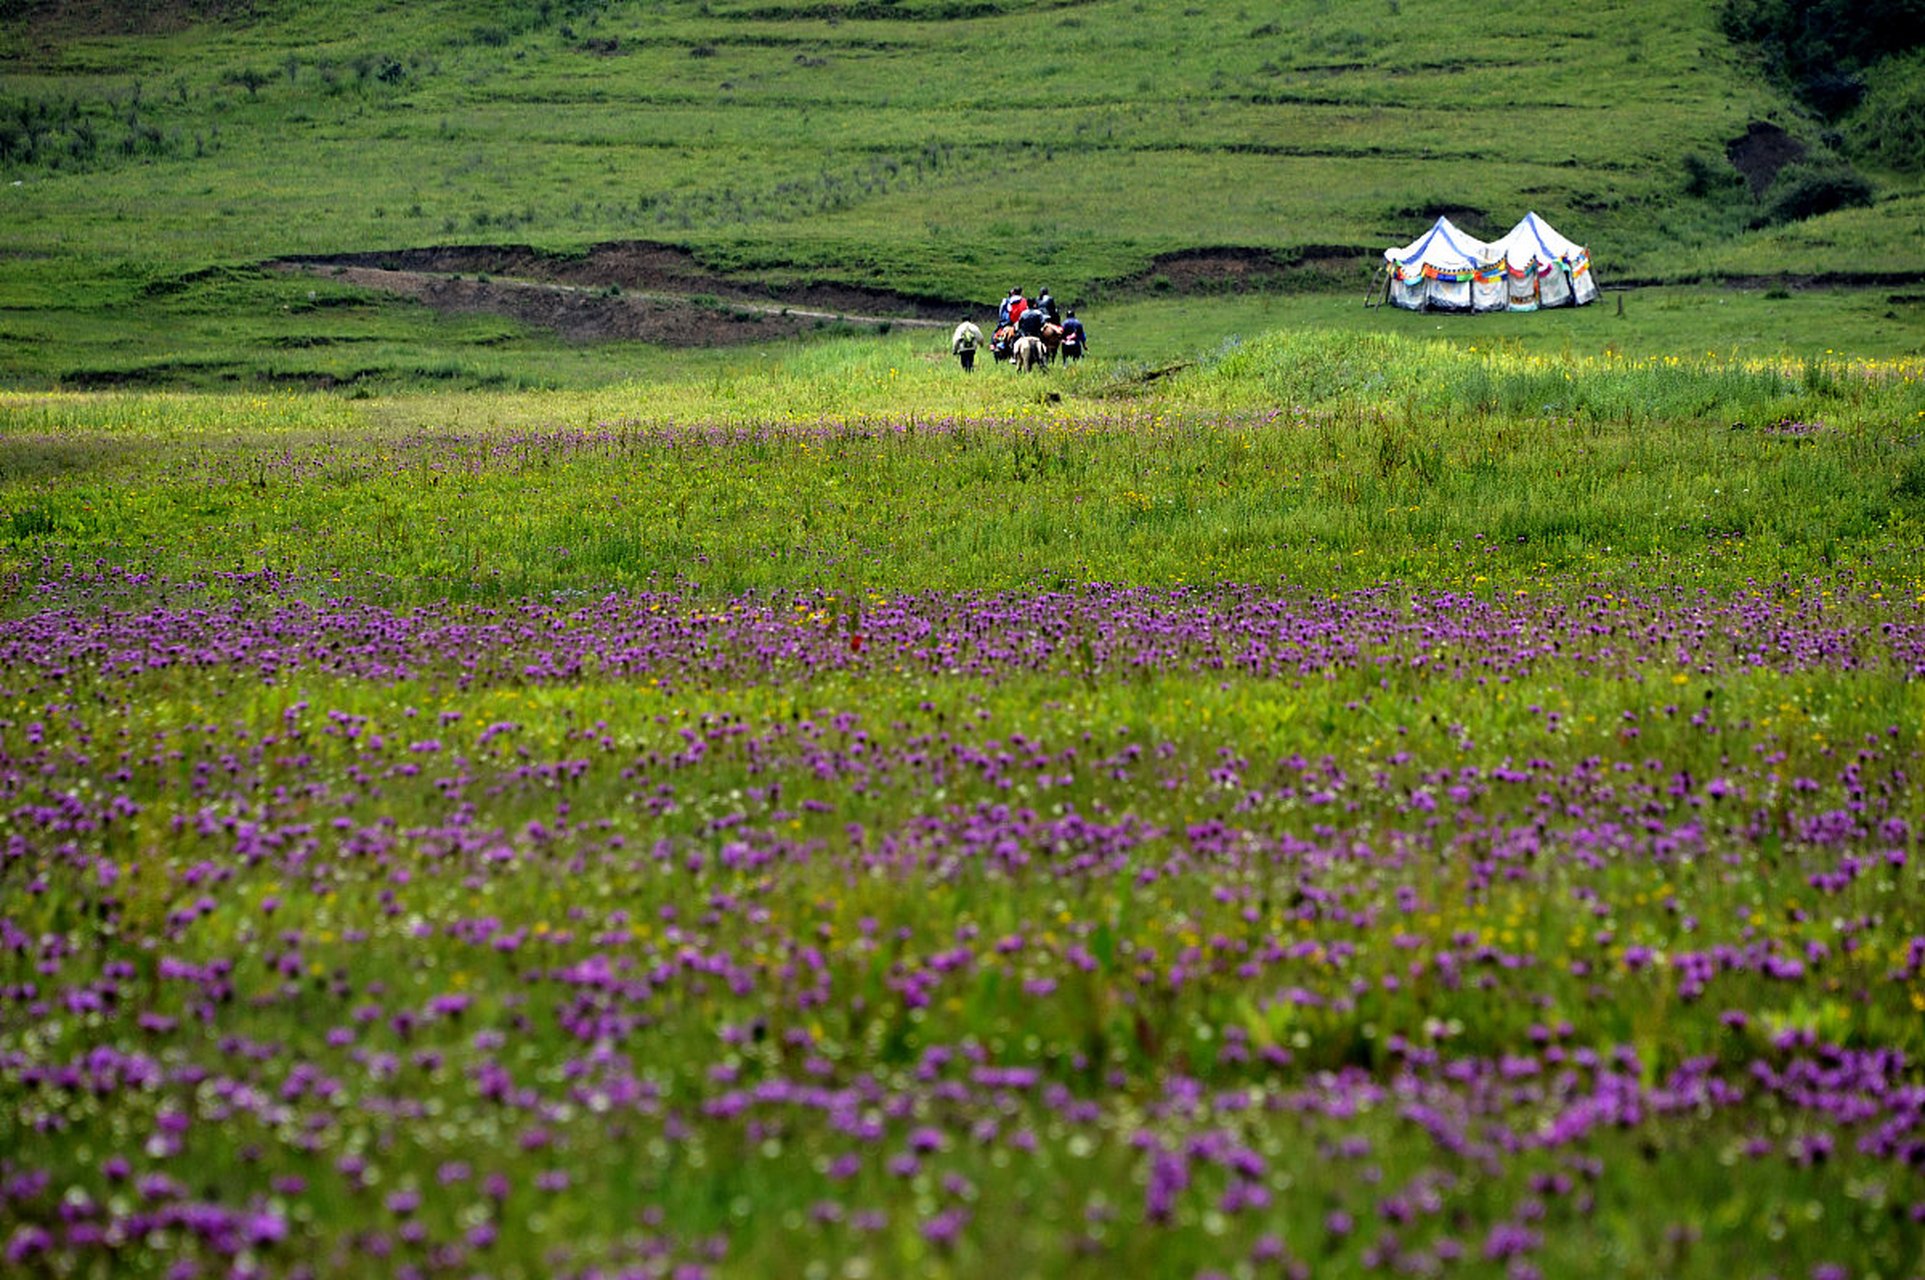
pixel 939 148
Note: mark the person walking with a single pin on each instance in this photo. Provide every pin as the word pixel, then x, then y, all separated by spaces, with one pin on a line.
pixel 1075 340
pixel 963 344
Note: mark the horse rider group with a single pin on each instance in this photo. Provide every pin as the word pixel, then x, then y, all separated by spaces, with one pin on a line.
pixel 1017 317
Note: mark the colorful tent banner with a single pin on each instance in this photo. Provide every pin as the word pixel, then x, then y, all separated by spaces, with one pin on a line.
pixel 1542 268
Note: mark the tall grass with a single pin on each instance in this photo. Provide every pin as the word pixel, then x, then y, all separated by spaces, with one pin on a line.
pixel 1311 458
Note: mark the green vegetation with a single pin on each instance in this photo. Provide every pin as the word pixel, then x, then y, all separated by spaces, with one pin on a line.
pixel 944 150
pixel 1307 790
pixel 1327 459
pixel 1825 48
pixel 831 816
pixel 251 330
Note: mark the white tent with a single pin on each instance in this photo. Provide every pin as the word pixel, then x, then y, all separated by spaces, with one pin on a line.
pixel 1446 269
pixel 1437 269
pixel 1545 268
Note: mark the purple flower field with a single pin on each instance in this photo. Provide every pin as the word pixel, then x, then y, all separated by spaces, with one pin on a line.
pixel 1198 932
pixel 273 634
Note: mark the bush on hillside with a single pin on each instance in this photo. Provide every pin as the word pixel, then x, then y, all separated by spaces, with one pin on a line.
pixel 1706 177
pixel 1805 191
pixel 1888 131
pixel 1821 46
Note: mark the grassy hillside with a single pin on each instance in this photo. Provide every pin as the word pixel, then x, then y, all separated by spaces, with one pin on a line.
pixel 943 148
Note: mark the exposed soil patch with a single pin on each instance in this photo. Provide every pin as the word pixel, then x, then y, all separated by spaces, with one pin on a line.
pixel 1232 269
pixel 1209 270
pixel 104 379
pixel 640 266
pixel 1780 280
pixel 602 313
pixel 651 292
pixel 1760 152
pixel 1467 216
pixel 67 19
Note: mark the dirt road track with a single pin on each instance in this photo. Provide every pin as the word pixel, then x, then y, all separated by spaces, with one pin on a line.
pixel 584 313
pixel 634 290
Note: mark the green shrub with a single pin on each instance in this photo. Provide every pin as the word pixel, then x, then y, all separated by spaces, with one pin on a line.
pixel 31 523
pixel 1705 177
pixel 1910 487
pixel 1888 130
pixel 1805 191
pixel 1820 46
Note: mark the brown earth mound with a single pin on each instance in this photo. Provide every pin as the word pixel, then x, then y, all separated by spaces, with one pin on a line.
pixel 1760 152
pixel 67 19
pixel 1232 269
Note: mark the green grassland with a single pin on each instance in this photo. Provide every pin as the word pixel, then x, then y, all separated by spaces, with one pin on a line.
pixel 943 149
pixel 1327 459
pixel 1325 465
pixel 254 329
pixel 299 476
pixel 945 152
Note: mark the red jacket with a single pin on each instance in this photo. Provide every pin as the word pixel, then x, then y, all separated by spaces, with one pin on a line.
pixel 1017 308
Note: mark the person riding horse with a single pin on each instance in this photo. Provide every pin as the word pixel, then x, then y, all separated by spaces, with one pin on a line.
pixel 1052 336
pixel 1001 341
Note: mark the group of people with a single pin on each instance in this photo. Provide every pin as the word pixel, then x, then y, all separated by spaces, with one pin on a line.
pixel 1017 318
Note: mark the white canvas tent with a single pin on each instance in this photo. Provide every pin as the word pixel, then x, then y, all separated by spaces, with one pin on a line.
pixel 1563 269
pixel 1447 269
pixel 1436 270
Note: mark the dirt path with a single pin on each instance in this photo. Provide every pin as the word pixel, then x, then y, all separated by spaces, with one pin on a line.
pixel 649 292
pixel 658 293
pixel 624 289
pixel 603 312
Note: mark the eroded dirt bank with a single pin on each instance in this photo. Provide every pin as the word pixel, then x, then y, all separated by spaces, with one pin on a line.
pixel 660 293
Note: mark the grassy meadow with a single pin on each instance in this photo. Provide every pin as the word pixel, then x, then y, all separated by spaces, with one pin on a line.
pixel 1355 801
pixel 1318 458
pixel 150 163
pixel 944 151
pixel 265 332
pixel 1307 790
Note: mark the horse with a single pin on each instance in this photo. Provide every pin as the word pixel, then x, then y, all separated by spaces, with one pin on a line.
pixel 1052 340
pixel 1029 353
pixel 1001 341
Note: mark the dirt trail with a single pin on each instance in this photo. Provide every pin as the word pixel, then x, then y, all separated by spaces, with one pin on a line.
pixel 658 293
pixel 662 294
pixel 587 313
pixel 633 290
